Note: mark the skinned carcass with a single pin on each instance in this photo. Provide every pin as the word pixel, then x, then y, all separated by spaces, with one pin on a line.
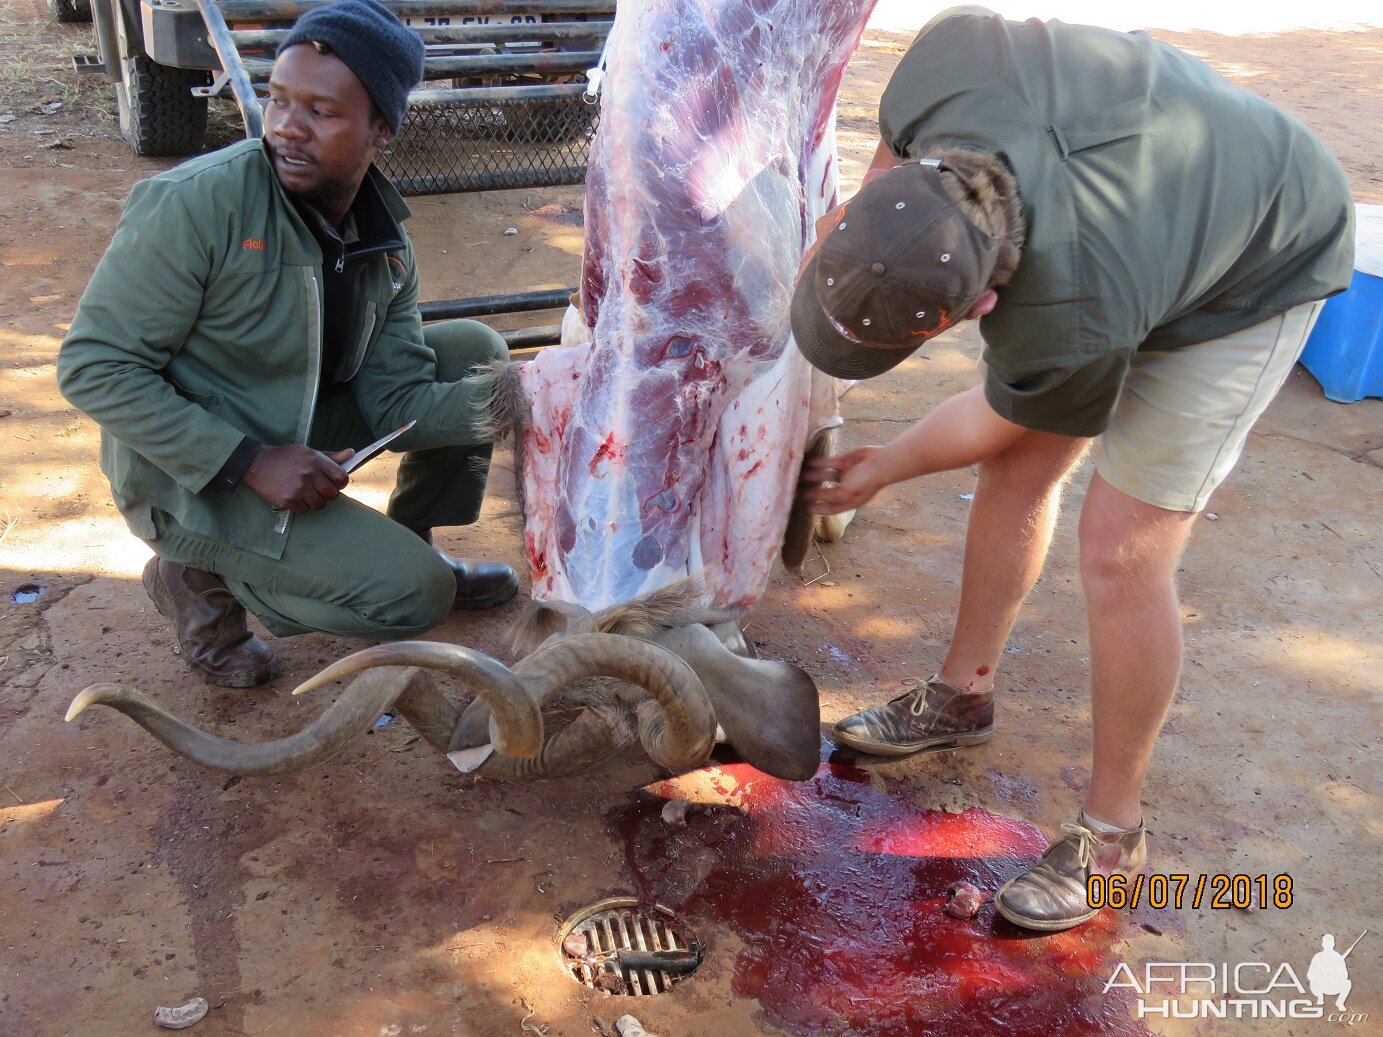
pixel 659 451
pixel 665 442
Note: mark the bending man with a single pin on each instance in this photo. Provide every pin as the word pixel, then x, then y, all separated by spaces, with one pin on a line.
pixel 1145 246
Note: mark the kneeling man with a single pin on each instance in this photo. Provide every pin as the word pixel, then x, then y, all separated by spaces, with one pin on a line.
pixel 253 322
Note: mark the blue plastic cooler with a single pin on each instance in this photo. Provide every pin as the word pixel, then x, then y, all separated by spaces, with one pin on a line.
pixel 1345 350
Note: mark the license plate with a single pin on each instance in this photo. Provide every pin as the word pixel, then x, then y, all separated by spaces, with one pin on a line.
pixel 474 19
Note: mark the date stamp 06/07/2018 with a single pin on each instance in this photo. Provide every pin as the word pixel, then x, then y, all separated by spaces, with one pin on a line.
pixel 1219 892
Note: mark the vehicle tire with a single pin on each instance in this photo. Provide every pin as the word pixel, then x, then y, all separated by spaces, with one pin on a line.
pixel 70 10
pixel 158 114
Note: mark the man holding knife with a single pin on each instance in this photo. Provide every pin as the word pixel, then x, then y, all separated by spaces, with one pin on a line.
pixel 252 325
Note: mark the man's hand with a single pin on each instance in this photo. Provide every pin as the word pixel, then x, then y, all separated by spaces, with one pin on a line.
pixel 842 483
pixel 962 431
pixel 297 478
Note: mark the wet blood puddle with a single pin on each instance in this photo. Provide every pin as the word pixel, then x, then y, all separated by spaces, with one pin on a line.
pixel 836 891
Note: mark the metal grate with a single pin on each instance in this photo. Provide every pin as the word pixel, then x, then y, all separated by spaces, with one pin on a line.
pixel 618 925
pixel 454 145
pixel 501 105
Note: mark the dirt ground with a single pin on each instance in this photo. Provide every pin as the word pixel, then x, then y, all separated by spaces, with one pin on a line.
pixel 384 894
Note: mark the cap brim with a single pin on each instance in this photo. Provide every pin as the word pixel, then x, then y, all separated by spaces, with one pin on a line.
pixel 827 349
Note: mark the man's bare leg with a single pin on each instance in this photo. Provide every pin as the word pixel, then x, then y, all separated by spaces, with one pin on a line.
pixel 1128 558
pixel 1012 517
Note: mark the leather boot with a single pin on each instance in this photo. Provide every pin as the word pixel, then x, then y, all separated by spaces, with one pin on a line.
pixel 479 585
pixel 1053 894
pixel 208 624
pixel 932 716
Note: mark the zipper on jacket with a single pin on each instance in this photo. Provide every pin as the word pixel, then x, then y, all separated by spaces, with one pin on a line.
pixel 358 357
pixel 314 345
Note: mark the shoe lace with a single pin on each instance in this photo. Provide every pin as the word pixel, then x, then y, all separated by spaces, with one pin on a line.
pixel 1086 841
pixel 918 693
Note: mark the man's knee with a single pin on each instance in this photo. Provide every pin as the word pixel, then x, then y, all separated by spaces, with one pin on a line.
pixel 408 600
pixel 1106 560
pixel 1126 543
pixel 463 346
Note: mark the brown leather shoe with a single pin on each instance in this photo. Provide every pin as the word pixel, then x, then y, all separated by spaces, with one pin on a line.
pixel 932 716
pixel 208 624
pixel 1053 894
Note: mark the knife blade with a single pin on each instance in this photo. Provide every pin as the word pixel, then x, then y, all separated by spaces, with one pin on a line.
pixel 373 450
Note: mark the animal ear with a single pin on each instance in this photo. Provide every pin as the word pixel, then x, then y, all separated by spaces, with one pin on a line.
pixel 540 620
pixel 770 711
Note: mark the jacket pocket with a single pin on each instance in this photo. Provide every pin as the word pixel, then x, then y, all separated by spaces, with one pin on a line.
pixel 368 326
pixel 207 401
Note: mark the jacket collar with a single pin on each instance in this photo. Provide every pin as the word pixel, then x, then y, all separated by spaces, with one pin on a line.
pixel 369 226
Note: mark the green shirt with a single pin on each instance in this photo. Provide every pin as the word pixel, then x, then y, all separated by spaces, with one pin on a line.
pixel 1164 205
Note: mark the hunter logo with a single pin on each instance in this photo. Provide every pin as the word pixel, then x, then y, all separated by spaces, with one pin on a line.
pixel 1328 974
pixel 252 245
pixel 1246 990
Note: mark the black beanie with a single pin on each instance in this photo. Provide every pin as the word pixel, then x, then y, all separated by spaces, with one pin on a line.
pixel 385 55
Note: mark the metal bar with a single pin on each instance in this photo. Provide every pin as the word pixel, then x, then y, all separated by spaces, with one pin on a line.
pixel 450 183
pixel 444 96
pixel 462 65
pixel 548 62
pixel 268 39
pixel 88 65
pixel 533 338
pixel 103 14
pixel 489 305
pixel 291 10
pixel 495 94
pixel 250 111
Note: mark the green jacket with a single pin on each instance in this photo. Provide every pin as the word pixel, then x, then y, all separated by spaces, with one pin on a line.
pixel 203 324
pixel 1164 205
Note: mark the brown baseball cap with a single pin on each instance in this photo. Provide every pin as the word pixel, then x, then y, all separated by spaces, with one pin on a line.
pixel 901 264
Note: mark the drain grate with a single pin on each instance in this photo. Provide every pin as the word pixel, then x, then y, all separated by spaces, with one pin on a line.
pixel 628 948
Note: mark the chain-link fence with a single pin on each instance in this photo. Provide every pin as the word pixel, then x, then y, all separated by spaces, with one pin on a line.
pixel 495 143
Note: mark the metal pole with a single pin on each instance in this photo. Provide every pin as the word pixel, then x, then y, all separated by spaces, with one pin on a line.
pixel 494 94
pixel 226 50
pixel 477 65
pixel 533 338
pixel 458 35
pixel 103 15
pixel 291 10
pixel 489 305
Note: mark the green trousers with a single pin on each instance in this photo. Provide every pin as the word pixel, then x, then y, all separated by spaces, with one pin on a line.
pixel 346 569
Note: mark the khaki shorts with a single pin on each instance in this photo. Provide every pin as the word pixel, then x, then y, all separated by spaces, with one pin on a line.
pixel 1183 416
